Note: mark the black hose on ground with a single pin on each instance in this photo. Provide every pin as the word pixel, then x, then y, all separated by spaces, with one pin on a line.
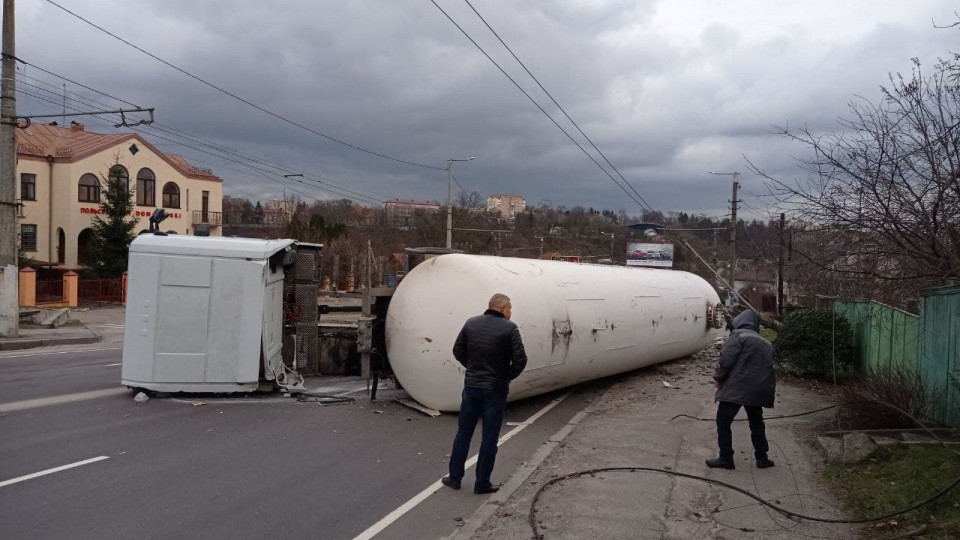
pixel 532 516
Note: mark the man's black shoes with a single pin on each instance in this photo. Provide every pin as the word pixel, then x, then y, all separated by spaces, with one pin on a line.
pixel 764 463
pixel 720 463
pixel 450 483
pixel 485 490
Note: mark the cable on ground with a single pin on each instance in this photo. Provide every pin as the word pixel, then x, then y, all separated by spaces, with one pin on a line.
pixel 532 516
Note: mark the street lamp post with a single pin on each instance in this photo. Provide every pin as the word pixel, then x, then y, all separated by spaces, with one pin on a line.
pixel 733 224
pixel 612 240
pixel 450 199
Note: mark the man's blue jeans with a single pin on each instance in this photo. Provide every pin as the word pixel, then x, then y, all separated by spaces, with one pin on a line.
pixel 478 403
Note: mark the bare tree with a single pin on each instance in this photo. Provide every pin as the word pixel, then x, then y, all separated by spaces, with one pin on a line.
pixel 470 200
pixel 880 199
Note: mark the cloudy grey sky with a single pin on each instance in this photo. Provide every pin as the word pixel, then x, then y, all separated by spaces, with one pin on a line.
pixel 666 89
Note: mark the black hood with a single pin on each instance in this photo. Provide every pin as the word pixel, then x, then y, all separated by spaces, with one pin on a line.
pixel 748 320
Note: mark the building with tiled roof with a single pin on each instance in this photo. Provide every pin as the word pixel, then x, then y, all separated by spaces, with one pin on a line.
pixel 61 173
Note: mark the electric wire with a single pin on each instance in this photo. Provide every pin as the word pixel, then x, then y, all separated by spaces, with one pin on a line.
pixel 266 173
pixel 642 203
pixel 537 105
pixel 196 138
pixel 562 110
pixel 243 100
pixel 326 186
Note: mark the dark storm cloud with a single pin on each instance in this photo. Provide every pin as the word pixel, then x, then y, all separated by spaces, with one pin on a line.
pixel 666 89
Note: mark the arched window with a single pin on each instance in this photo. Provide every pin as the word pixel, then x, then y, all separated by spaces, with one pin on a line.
pixel 119 172
pixel 146 188
pixel 89 189
pixel 171 195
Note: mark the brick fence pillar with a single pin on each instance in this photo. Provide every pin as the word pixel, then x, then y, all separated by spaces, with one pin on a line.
pixel 71 288
pixel 28 287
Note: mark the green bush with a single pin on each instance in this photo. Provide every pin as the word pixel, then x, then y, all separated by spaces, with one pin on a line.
pixel 809 340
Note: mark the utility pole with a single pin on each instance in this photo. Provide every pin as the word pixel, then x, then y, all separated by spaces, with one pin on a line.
pixel 783 223
pixel 450 199
pixel 541 245
pixel 733 225
pixel 612 237
pixel 9 292
pixel 733 232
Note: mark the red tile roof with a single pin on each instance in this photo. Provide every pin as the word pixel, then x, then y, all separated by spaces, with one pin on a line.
pixel 67 145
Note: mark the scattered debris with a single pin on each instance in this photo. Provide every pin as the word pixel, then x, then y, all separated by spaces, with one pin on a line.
pixel 199 404
pixel 418 407
pixel 377 412
pixel 667 385
pixel 141 397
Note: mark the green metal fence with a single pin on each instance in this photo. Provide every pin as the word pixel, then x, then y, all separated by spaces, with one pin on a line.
pixel 939 351
pixel 883 335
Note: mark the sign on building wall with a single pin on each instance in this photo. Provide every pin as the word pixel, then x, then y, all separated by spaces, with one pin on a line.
pixel 660 255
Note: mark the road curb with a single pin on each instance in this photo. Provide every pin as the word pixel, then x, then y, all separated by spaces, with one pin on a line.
pixel 16 344
pixel 489 508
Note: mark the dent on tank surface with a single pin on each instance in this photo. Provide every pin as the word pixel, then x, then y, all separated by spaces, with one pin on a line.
pixel 578 322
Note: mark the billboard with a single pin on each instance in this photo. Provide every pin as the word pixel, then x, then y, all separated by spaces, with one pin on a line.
pixel 659 255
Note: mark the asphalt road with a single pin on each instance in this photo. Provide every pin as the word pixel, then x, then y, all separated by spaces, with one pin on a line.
pixel 235 468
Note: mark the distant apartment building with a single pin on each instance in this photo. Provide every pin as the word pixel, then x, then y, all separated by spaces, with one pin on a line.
pixel 507 206
pixel 61 173
pixel 400 212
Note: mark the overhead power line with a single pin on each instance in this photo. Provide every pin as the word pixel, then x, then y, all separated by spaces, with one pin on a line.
pixel 538 106
pixel 635 196
pixel 329 185
pixel 265 173
pixel 244 100
pixel 562 110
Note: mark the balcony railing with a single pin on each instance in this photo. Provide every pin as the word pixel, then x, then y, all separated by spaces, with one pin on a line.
pixel 214 219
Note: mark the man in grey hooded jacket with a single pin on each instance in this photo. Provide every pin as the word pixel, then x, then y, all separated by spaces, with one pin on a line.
pixel 744 378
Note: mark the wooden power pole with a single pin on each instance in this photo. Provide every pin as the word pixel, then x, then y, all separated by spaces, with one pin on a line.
pixel 782 231
pixel 733 232
pixel 9 291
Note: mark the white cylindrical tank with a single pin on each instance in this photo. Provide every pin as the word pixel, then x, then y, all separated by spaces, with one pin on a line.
pixel 578 322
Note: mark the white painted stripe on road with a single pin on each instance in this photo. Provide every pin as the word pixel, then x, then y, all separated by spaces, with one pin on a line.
pixel 53 470
pixel 72 351
pixel 390 518
pixel 111 326
pixel 59 400
pixel 112 365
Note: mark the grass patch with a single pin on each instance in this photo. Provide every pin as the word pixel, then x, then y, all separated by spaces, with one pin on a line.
pixel 897 477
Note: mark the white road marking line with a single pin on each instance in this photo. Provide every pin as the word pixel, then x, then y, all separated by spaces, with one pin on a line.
pixel 111 326
pixel 112 365
pixel 72 351
pixel 53 470
pixel 390 518
pixel 59 400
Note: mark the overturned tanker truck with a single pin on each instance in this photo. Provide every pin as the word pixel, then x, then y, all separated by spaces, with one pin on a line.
pixel 578 321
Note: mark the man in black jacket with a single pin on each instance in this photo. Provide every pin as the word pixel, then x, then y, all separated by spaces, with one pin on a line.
pixel 489 346
pixel 744 377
